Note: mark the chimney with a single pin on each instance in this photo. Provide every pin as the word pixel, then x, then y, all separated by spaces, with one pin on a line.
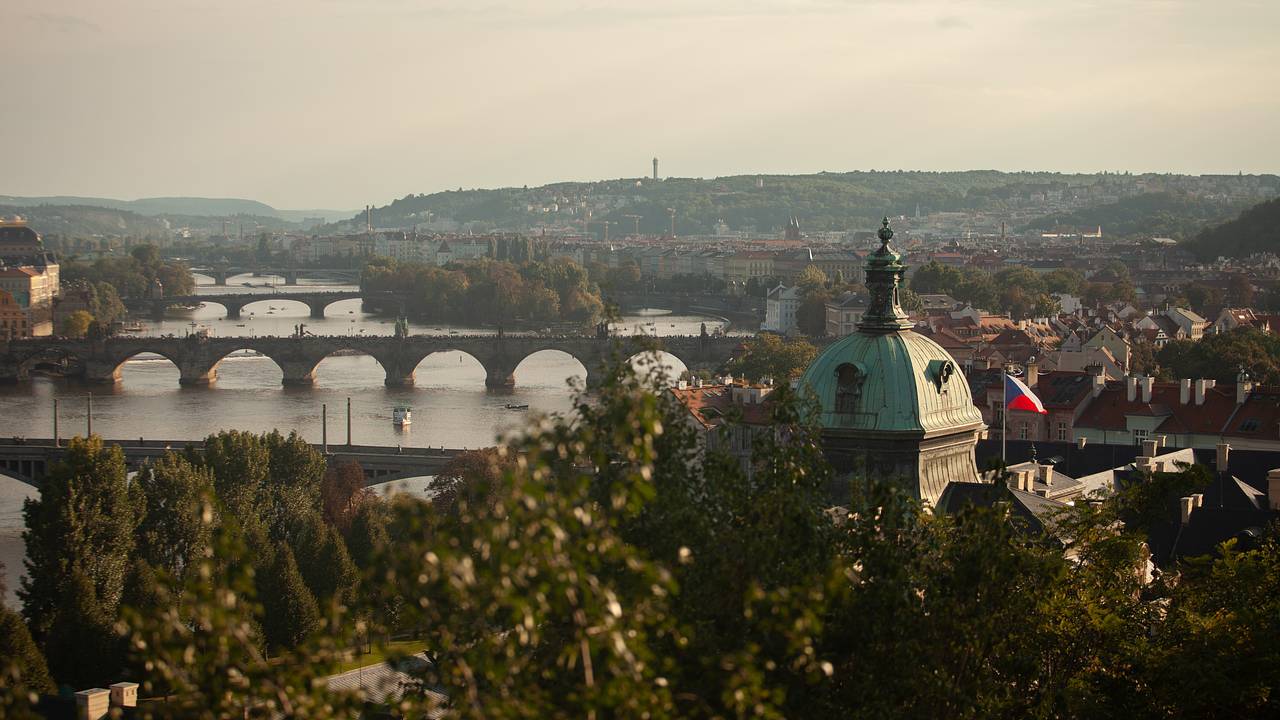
pixel 1046 474
pixel 1244 386
pixel 1224 456
pixel 93 704
pixel 124 694
pixel 1131 388
pixel 1162 441
pixel 1201 386
pixel 1273 489
pixel 1142 463
pixel 1149 448
pixel 1187 504
pixel 1033 372
pixel 1199 498
pixel 1099 382
pixel 1185 396
pixel 1081 442
pixel 1146 383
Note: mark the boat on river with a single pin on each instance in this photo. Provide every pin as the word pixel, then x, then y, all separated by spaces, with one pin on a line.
pixel 402 415
pixel 514 406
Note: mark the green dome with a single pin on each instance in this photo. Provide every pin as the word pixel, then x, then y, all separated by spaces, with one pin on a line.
pixel 897 382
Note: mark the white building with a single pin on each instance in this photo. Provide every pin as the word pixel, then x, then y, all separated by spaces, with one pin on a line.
pixel 780 309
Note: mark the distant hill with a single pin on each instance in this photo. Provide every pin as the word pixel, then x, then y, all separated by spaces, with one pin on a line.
pixel 173 206
pixel 1255 230
pixel 838 201
pixel 1176 215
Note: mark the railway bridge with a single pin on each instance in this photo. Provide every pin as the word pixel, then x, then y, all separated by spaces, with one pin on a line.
pixel 29 460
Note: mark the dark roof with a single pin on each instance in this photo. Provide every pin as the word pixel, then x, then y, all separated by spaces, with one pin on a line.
pixel 1063 388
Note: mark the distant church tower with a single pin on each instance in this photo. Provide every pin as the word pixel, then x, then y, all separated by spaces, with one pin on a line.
pixel 894 406
pixel 655 168
pixel 793 228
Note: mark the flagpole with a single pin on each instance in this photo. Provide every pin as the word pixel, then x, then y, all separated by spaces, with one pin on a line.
pixel 1004 414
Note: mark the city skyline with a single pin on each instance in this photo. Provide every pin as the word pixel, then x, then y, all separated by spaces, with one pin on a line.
pixel 337 105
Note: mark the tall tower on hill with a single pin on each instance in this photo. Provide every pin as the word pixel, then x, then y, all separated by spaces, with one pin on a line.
pixel 655 168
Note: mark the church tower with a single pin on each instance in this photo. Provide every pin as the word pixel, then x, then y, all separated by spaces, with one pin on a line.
pixel 894 406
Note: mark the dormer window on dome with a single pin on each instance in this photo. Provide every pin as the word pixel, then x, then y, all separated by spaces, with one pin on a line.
pixel 849 380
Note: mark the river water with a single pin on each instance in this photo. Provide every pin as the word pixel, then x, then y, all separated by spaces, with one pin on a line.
pixel 451 406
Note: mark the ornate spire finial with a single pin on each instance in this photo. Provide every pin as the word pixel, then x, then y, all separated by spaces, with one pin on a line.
pixel 886 232
pixel 884 271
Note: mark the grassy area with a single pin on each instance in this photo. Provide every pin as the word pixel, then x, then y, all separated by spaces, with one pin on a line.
pixel 378 654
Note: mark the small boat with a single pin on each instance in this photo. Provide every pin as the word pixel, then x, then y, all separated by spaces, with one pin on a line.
pixel 514 406
pixel 402 415
pixel 239 324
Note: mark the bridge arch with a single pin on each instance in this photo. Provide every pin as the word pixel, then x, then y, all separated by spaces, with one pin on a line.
pixel 658 363
pixel 46 356
pixel 440 362
pixel 257 307
pixel 302 371
pixel 554 353
pixel 207 374
pixel 111 369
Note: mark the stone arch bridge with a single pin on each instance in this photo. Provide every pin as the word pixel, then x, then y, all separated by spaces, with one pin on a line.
pixel 234 303
pixel 197 358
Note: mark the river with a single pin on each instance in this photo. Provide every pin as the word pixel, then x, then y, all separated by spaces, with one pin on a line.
pixel 451 406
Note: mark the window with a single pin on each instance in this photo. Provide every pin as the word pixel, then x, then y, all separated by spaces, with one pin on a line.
pixel 1062 432
pixel 1249 425
pixel 1022 432
pixel 1139 435
pixel 848 388
pixel 999 415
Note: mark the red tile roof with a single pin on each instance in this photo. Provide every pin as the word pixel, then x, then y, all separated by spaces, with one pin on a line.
pixel 1109 410
pixel 710 404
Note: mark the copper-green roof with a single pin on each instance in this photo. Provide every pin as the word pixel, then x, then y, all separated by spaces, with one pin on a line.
pixel 908 384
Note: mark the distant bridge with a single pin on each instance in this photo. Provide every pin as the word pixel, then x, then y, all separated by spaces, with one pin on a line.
pixel 290 275
pixel 235 302
pixel 29 460
pixel 197 358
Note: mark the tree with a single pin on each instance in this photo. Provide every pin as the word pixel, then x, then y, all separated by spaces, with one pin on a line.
pixel 811 316
pixel 79 536
pixel 1240 292
pixel 771 356
pixel 342 492
pixel 172 535
pixel 934 277
pixel 76 324
pixel 290 614
pixel 811 280
pixel 22 666
pixel 1065 281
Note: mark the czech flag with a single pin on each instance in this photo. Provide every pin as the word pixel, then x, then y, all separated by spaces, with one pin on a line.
pixel 1019 397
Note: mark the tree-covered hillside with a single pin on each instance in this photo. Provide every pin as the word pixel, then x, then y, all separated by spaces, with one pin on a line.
pixel 824 201
pixel 1256 230
pixel 1175 215
pixel 1150 204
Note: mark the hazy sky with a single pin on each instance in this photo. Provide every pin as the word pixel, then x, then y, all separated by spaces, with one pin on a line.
pixel 338 103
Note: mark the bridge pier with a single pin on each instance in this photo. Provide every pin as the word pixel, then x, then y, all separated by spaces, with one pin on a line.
pixel 157 310
pixel 298 374
pixel 102 373
pixel 196 376
pixel 317 309
pixel 220 278
pixel 291 278
pixel 233 310
pixel 499 376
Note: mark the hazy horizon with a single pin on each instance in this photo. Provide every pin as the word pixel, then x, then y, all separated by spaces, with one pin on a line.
pixel 337 104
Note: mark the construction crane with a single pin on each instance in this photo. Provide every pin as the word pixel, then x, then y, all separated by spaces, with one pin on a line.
pixel 672 213
pixel 636 220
